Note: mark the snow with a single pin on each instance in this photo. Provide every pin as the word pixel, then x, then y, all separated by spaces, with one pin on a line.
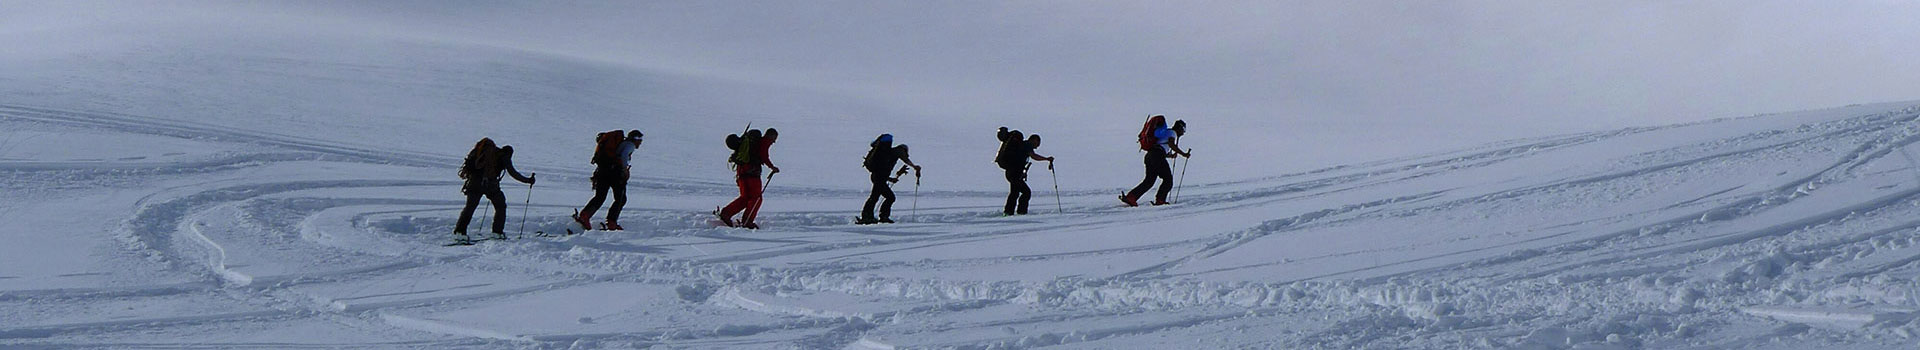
pixel 280 188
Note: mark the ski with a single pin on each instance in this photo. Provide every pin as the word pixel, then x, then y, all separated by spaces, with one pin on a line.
pixel 475 241
pixel 717 224
pixel 858 221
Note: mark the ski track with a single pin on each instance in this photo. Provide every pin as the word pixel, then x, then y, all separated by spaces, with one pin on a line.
pixel 1377 305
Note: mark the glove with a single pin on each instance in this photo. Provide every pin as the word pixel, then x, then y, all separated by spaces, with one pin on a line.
pixel 532 178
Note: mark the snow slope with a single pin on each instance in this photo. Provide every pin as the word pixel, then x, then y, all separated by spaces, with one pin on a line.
pixel 290 189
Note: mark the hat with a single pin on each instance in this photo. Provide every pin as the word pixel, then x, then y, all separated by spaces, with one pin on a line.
pixel 635 134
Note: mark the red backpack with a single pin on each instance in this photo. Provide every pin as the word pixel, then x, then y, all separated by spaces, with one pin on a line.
pixel 1147 139
pixel 607 147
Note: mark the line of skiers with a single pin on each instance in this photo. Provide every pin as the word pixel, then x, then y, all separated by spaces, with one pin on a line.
pixel 613 155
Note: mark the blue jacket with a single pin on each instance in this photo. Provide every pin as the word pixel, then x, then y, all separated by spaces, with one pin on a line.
pixel 1165 136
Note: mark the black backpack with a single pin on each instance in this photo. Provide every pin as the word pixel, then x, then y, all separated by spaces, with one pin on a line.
pixel 881 156
pixel 1013 150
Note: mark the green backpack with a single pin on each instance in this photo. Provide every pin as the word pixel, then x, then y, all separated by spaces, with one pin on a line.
pixel 743 147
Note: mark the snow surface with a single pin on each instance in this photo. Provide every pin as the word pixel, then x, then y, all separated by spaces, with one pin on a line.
pixel 293 189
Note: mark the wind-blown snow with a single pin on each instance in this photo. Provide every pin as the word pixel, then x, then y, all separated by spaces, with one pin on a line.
pixel 285 189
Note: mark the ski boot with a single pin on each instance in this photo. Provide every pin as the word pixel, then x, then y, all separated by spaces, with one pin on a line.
pixel 1131 202
pixel 460 238
pixel 750 226
pixel 723 219
pixel 611 226
pixel 580 218
pixel 886 220
pixel 498 236
pixel 865 221
pixel 1160 203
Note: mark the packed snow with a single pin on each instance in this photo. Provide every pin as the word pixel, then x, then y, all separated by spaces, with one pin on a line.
pixel 293 189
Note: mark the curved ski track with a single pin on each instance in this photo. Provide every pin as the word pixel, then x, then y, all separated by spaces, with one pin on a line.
pixel 169 223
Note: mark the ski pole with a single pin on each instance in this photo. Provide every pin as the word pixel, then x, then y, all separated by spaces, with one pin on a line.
pixel 916 197
pixel 523 210
pixel 1177 185
pixel 1058 208
pixel 763 197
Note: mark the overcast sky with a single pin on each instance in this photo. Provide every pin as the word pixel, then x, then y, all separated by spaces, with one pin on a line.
pixel 1502 67
pixel 1455 70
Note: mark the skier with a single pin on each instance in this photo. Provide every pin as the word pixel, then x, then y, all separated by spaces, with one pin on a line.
pixel 750 152
pixel 481 170
pixel 880 159
pixel 613 156
pixel 1013 157
pixel 1160 144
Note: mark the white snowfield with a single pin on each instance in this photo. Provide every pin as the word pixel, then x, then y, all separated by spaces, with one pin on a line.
pixel 253 193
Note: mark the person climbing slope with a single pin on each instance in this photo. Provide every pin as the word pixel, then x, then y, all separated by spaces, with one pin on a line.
pixel 1013 157
pixel 613 160
pixel 750 153
pixel 482 170
pixel 879 162
pixel 1160 143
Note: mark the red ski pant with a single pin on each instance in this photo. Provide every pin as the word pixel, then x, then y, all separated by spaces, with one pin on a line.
pixel 749 199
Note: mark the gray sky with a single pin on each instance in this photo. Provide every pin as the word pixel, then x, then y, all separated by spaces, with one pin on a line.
pixel 1429 74
pixel 1498 67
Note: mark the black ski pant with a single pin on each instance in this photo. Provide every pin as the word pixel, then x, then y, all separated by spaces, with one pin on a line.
pixel 600 189
pixel 881 189
pixel 473 201
pixel 1157 168
pixel 1017 199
